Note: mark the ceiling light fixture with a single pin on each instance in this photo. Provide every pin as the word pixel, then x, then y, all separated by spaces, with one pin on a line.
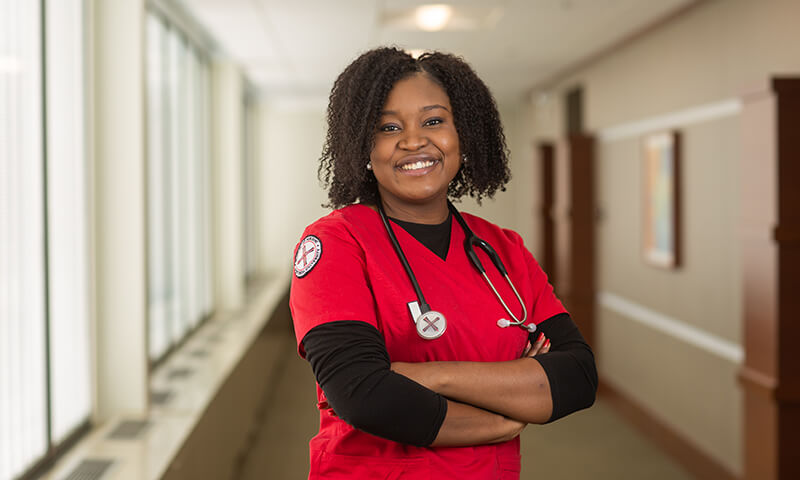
pixel 432 18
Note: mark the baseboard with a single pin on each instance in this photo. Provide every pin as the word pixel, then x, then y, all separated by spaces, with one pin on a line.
pixel 695 461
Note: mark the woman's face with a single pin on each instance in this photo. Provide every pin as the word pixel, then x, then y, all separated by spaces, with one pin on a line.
pixel 416 151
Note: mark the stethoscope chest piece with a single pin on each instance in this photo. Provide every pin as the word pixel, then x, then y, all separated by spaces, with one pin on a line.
pixel 431 325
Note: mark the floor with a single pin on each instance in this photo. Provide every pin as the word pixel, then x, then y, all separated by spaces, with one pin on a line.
pixel 595 443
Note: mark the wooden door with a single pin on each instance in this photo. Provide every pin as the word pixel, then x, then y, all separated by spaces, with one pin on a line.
pixel 547 189
pixel 573 217
pixel 770 240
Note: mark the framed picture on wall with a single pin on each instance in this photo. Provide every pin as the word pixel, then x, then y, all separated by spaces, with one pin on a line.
pixel 661 202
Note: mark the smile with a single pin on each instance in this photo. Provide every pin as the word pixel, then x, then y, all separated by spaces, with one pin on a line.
pixel 418 165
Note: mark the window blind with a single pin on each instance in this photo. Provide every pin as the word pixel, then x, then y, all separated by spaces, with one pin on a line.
pixel 179 205
pixel 23 405
pixel 67 218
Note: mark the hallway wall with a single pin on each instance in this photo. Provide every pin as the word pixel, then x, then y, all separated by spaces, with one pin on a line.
pixel 289 145
pixel 511 209
pixel 671 339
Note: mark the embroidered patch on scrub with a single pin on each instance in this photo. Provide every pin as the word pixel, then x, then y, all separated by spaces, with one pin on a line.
pixel 308 254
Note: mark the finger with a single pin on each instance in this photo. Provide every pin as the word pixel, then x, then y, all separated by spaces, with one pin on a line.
pixel 527 349
pixel 537 345
pixel 546 347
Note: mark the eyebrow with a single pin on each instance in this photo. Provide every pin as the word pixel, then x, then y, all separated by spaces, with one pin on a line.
pixel 423 109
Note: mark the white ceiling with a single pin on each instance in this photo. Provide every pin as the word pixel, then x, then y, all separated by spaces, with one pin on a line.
pixel 297 48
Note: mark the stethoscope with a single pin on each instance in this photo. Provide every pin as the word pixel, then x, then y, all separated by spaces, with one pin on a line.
pixel 432 324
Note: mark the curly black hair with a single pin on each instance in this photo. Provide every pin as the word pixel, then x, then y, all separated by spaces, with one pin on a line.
pixel 357 98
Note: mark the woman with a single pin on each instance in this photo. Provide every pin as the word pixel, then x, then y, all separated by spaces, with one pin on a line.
pixel 405 392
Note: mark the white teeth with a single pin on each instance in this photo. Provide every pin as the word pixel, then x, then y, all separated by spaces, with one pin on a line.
pixel 418 165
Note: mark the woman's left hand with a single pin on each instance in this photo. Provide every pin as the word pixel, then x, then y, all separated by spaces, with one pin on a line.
pixel 541 345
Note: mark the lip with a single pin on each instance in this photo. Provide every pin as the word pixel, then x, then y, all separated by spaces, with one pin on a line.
pixel 422 157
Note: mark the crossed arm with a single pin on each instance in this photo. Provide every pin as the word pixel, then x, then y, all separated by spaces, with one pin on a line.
pixel 486 402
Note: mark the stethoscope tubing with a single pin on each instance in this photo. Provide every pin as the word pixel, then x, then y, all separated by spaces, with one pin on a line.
pixel 470 241
pixel 515 320
pixel 423 305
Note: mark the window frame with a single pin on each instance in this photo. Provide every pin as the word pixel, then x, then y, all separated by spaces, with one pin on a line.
pixel 55 450
pixel 193 48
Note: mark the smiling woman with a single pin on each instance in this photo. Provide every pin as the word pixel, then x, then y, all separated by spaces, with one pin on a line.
pixel 446 391
pixel 416 153
pixel 357 102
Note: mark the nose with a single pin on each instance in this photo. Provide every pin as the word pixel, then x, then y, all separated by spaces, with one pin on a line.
pixel 413 138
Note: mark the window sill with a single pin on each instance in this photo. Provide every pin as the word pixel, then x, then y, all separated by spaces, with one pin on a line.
pixel 210 354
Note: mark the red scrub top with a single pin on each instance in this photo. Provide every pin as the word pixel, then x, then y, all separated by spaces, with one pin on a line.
pixel 347 269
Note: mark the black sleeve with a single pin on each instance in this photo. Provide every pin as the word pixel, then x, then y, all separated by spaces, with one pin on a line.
pixel 569 366
pixel 352 367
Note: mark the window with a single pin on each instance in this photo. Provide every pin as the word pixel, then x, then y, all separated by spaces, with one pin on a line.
pixel 23 389
pixel 249 153
pixel 67 219
pixel 45 381
pixel 158 227
pixel 179 190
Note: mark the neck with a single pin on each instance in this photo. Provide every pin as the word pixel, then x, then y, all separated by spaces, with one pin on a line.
pixel 432 213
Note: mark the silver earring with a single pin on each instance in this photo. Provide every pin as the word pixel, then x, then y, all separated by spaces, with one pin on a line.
pixel 463 158
pixel 369 166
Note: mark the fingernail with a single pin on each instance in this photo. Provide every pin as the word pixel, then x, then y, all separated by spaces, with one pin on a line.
pixel 541 334
pixel 547 343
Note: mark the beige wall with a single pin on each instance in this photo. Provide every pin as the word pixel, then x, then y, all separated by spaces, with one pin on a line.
pixel 706 56
pixel 289 196
pixel 707 284
pixel 712 53
pixel 514 207
pixel 690 388
pixel 119 202
pixel 227 89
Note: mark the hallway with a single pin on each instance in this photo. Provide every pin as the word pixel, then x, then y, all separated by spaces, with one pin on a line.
pixel 589 444
pixel 160 159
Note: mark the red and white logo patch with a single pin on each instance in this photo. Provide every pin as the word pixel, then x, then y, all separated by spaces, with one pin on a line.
pixel 308 254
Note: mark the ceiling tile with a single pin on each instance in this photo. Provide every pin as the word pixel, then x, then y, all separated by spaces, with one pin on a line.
pixel 301 46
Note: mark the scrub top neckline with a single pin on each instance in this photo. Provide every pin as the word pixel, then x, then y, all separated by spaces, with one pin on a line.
pixel 436 237
pixel 409 240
